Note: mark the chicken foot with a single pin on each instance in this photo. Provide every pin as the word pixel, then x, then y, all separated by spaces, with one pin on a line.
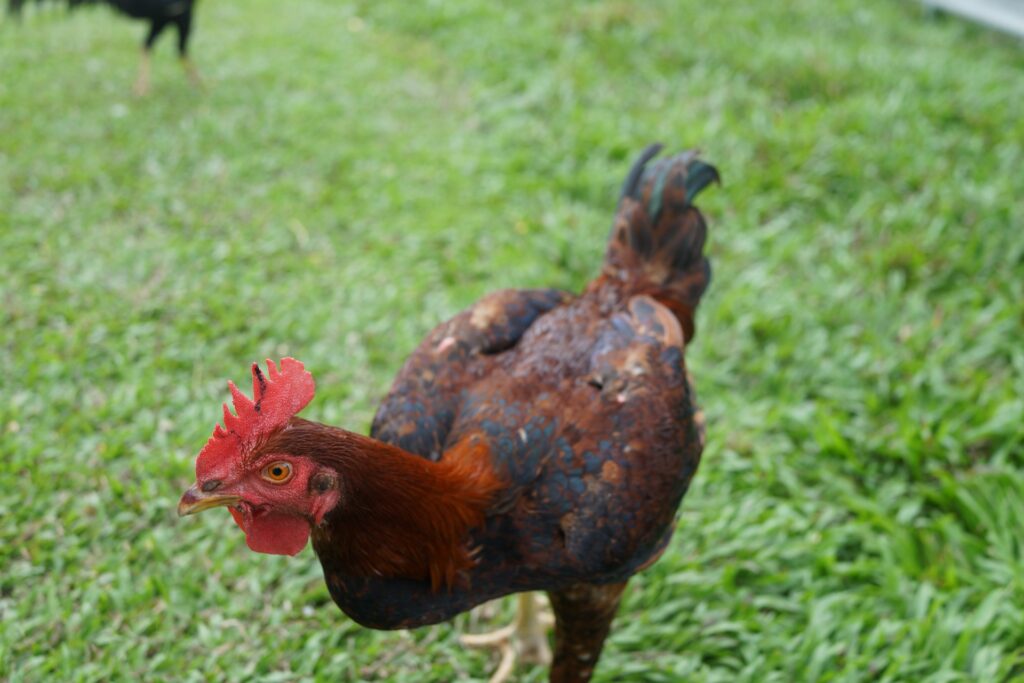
pixel 192 73
pixel 525 639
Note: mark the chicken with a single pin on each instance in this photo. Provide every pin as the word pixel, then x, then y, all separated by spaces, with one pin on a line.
pixel 160 14
pixel 538 441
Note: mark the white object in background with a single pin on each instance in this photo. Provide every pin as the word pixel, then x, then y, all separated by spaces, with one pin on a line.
pixel 1005 15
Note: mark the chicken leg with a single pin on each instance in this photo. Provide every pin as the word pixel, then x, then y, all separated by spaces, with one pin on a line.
pixel 583 617
pixel 183 22
pixel 524 639
pixel 141 86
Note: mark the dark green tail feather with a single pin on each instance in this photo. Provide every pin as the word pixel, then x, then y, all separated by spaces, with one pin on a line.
pixel 698 176
pixel 657 241
pixel 629 187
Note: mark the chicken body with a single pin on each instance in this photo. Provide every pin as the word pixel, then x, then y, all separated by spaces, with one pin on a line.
pixel 585 410
pixel 589 420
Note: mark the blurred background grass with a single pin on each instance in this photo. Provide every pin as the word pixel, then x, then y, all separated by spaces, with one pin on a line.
pixel 356 172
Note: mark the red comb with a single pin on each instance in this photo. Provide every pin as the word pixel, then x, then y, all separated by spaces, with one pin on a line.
pixel 279 395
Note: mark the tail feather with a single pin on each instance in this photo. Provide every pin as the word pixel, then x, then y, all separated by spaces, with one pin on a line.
pixel 657 242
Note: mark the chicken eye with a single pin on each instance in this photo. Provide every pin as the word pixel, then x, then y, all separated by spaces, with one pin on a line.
pixel 277 472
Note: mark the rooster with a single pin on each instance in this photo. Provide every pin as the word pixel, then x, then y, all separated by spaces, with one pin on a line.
pixel 160 14
pixel 537 441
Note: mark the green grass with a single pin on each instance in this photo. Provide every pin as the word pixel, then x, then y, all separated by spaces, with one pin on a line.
pixel 356 172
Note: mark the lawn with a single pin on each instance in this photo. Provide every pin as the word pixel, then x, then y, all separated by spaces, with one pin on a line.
pixel 356 172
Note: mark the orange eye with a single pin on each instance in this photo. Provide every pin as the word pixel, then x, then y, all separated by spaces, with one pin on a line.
pixel 277 472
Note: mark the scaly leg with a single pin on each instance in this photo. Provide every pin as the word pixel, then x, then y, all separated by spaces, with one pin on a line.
pixel 524 639
pixel 141 86
pixel 184 24
pixel 583 618
pixel 142 82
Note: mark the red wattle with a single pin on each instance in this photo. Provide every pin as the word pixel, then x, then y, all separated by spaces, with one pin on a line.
pixel 273 533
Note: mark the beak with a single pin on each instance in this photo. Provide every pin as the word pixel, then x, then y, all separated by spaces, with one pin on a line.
pixel 194 501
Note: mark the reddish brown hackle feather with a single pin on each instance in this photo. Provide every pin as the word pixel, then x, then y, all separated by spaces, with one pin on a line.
pixel 422 514
pixel 403 516
pixel 278 396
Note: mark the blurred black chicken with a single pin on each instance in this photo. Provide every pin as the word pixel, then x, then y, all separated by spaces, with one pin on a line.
pixel 160 14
